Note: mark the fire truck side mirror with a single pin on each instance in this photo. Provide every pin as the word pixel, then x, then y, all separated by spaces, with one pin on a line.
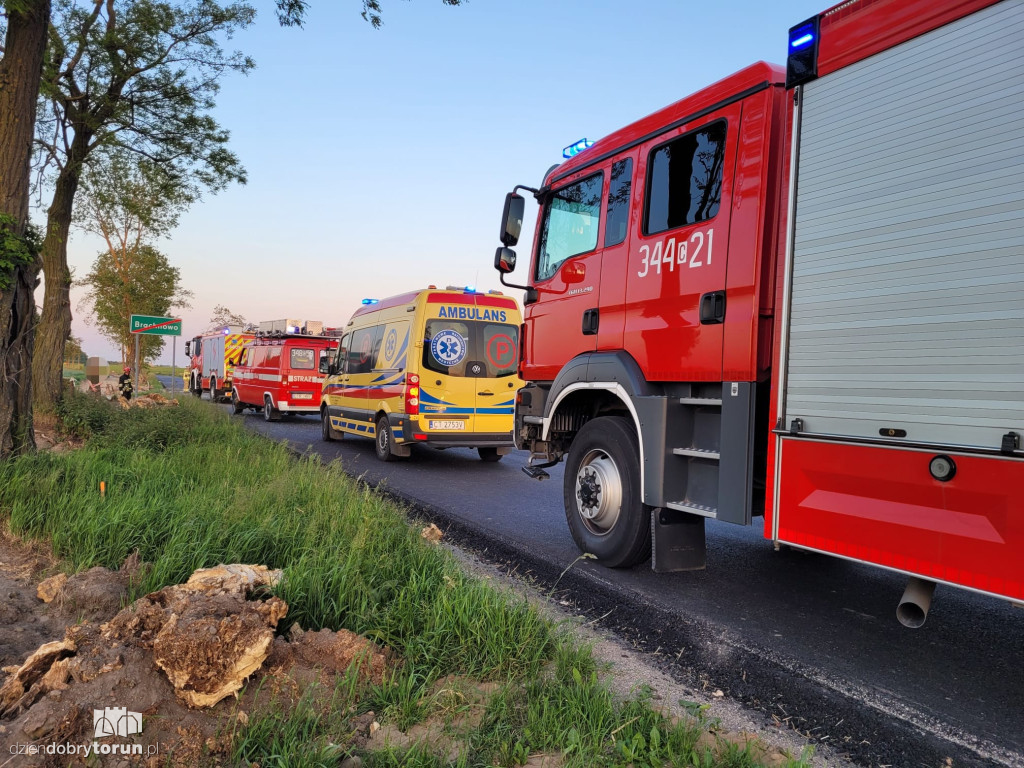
pixel 188 346
pixel 504 260
pixel 512 219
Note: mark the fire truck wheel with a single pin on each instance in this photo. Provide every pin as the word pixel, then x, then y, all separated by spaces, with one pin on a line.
pixel 236 405
pixel 213 390
pixel 270 413
pixel 327 432
pixel 193 385
pixel 489 455
pixel 384 440
pixel 602 493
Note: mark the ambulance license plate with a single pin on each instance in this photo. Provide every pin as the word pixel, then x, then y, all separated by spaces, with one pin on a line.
pixel 447 424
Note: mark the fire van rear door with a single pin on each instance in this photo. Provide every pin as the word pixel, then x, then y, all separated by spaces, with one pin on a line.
pixel 907 299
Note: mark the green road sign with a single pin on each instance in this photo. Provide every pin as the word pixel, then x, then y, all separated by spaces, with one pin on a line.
pixel 158 326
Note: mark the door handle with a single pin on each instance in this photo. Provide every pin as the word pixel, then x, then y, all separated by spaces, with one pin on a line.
pixel 712 308
pixel 591 319
pixel 485 394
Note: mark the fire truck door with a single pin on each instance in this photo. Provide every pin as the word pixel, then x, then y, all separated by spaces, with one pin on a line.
pixel 675 279
pixel 565 320
pixel 615 256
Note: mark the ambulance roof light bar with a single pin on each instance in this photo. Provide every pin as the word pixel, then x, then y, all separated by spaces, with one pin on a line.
pixel 371 301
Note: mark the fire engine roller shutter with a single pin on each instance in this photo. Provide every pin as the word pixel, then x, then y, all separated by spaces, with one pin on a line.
pixel 908 257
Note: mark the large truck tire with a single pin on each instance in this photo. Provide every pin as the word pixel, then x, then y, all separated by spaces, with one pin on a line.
pixel 602 494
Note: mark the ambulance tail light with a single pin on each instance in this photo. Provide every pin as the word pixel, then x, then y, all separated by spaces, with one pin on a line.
pixel 412 395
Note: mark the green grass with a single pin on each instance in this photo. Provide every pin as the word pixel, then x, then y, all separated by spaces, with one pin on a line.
pixel 188 488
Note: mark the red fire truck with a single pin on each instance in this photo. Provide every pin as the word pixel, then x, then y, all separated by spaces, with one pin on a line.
pixel 798 294
pixel 212 358
pixel 278 371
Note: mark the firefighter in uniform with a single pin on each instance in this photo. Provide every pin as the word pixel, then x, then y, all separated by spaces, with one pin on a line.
pixel 124 384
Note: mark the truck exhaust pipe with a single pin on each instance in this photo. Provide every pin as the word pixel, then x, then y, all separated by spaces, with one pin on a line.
pixel 917 599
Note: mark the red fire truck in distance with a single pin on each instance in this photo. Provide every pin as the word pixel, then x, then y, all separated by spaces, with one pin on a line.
pixel 212 358
pixel 797 293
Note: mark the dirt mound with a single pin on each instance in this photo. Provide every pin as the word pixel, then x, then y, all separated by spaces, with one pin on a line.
pixel 170 656
pixel 90 595
pixel 152 400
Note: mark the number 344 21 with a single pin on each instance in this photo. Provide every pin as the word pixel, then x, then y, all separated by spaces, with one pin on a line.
pixel 693 253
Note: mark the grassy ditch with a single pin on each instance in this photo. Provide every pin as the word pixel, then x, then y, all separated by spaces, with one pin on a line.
pixel 188 488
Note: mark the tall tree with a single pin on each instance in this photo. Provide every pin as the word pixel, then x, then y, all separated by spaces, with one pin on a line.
pixel 136 281
pixel 142 76
pixel 130 202
pixel 24 25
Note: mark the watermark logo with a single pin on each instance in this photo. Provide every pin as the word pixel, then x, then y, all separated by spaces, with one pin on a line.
pixel 115 721
pixel 107 722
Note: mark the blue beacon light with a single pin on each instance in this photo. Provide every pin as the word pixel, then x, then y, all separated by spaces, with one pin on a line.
pixel 371 301
pixel 801 42
pixel 574 149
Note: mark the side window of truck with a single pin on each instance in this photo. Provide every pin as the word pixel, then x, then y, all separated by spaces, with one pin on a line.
pixel 571 218
pixel 273 357
pixel 616 222
pixel 685 179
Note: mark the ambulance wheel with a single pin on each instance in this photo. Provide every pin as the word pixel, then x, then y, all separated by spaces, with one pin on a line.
pixel 602 494
pixel 384 440
pixel 270 413
pixel 236 405
pixel 327 433
pixel 489 455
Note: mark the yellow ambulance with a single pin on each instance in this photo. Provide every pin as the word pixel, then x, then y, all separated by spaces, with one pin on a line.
pixel 432 367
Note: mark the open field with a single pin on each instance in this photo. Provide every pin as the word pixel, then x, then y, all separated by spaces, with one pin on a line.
pixel 186 489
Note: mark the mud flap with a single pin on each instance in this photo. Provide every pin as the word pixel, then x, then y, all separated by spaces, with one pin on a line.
pixel 677 542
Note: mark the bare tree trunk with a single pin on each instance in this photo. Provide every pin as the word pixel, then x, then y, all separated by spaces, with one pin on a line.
pixel 20 74
pixel 55 322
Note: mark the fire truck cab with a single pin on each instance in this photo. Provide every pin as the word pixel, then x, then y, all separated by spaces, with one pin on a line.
pixel 797 293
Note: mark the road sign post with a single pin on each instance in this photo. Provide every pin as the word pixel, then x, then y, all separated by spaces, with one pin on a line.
pixel 154 326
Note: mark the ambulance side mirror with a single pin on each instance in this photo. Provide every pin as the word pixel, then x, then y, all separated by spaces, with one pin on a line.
pixel 504 260
pixel 512 219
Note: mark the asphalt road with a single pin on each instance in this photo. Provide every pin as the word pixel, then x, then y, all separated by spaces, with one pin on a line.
pixel 810 640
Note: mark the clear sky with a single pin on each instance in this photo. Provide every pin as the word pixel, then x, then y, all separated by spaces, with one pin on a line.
pixel 378 160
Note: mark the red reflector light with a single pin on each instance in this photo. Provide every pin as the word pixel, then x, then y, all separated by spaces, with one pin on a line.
pixel 420 437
